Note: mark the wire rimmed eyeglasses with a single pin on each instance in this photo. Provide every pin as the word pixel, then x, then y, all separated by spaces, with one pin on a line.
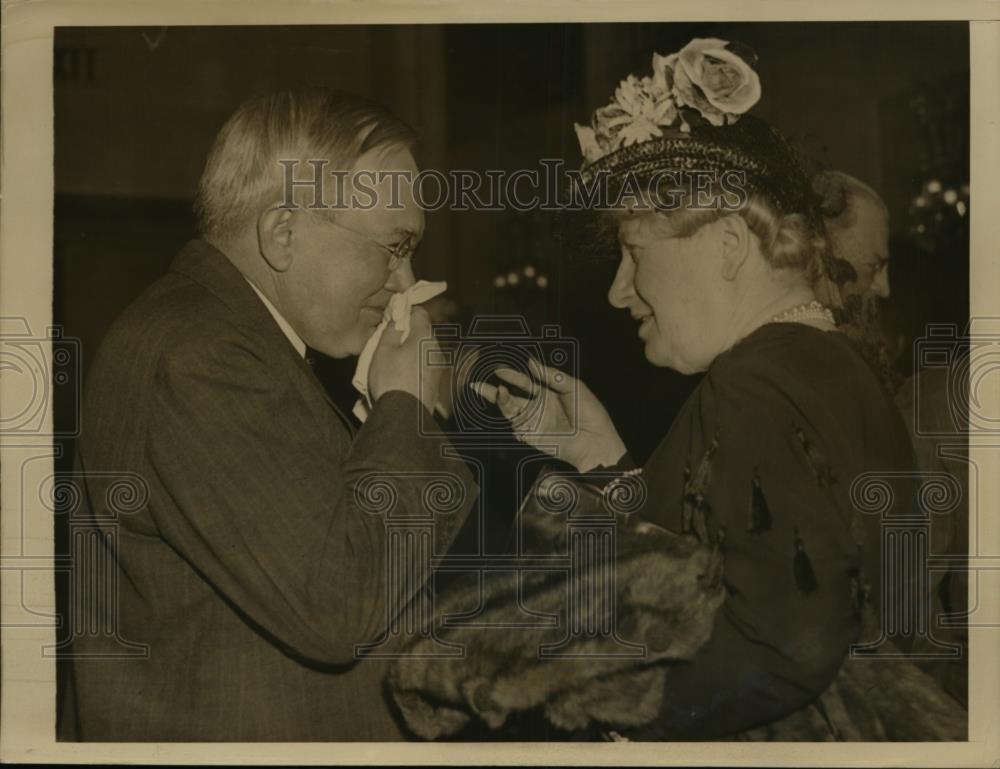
pixel 397 252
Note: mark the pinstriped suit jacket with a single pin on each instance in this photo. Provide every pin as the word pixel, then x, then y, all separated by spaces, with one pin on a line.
pixel 250 574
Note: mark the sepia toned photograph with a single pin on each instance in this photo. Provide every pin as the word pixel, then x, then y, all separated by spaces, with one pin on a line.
pixel 487 383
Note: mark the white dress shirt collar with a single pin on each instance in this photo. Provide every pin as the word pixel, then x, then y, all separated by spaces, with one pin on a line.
pixel 283 324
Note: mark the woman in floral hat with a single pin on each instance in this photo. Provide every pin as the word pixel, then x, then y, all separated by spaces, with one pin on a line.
pixel 722 247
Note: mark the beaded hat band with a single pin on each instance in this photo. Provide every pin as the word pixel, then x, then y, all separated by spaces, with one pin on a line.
pixel 762 158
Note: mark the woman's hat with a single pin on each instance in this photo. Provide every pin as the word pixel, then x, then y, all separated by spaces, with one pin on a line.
pixel 689 116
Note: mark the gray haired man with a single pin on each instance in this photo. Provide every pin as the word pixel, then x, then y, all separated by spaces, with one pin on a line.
pixel 252 574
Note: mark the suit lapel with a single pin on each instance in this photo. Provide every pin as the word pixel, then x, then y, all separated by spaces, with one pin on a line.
pixel 208 266
pixel 307 366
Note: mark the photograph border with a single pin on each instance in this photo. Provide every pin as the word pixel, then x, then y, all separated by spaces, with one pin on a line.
pixel 27 696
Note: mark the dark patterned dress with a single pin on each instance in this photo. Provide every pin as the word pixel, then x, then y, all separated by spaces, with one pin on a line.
pixel 761 460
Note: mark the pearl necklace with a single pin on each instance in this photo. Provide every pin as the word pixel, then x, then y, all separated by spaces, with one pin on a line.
pixel 810 311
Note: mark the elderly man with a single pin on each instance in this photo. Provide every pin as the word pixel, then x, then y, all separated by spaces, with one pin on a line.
pixel 251 574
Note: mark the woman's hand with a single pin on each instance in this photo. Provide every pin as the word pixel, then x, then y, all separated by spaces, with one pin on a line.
pixel 559 415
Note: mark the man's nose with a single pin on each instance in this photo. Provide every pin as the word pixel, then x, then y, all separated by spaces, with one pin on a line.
pixel 622 286
pixel 880 284
pixel 401 278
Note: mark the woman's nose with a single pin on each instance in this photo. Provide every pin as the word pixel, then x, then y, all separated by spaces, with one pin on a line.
pixel 401 278
pixel 622 286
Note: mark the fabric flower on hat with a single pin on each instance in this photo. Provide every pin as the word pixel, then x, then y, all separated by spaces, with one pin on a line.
pixel 716 81
pixel 635 114
pixel 662 82
pixel 645 114
pixel 588 143
pixel 709 78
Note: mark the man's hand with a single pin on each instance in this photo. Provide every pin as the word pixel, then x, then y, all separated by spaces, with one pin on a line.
pixel 557 409
pixel 397 365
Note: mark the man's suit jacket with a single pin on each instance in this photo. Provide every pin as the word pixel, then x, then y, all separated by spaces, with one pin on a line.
pixel 251 573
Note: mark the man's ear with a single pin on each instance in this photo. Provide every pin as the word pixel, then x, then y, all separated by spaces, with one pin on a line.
pixel 274 236
pixel 736 237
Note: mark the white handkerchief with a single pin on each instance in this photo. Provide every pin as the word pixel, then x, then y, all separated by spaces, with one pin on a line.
pixel 398 311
